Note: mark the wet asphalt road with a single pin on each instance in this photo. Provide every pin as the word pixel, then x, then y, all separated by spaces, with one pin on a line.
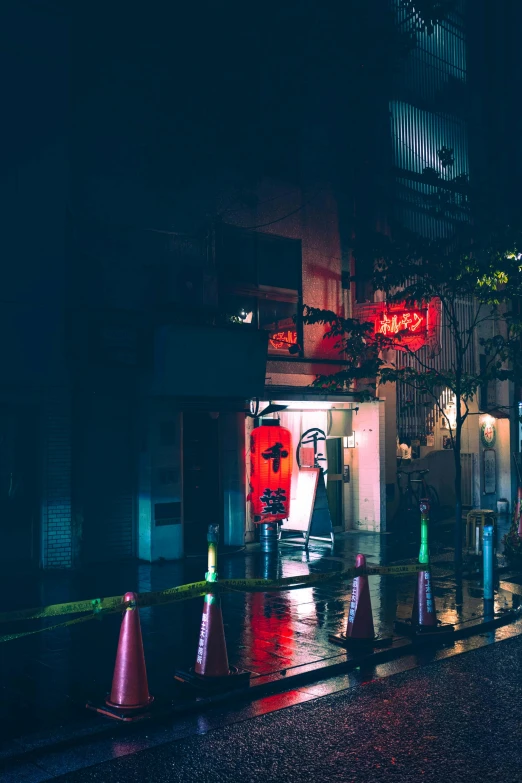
pixel 455 720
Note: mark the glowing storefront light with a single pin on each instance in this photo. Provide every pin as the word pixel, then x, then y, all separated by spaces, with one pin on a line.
pixel 313 405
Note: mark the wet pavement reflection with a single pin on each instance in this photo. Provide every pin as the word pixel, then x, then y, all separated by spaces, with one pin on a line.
pixel 46 679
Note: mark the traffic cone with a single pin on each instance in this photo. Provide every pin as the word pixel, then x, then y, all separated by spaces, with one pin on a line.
pixel 211 671
pixel 212 658
pixel 359 629
pixel 424 614
pixel 360 617
pixel 129 697
pixel 424 620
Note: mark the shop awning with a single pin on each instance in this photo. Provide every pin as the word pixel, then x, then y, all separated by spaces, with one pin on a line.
pixel 209 362
pixel 304 393
pixel 496 413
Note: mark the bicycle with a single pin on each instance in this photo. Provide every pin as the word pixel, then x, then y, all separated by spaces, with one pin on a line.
pixel 416 490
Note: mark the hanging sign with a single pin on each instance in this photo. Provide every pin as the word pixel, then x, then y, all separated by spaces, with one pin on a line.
pixel 488 433
pixel 410 328
pixel 307 453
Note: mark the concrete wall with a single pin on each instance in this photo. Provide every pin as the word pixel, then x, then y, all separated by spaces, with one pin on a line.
pixel 57 532
pixel 365 495
pixel 388 393
pixel 33 201
pixel 503 463
pixel 233 472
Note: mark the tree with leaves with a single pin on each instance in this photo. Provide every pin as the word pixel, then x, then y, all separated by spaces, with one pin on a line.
pixel 485 273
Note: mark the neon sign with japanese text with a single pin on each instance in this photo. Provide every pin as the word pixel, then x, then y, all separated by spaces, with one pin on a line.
pixel 279 340
pixel 409 325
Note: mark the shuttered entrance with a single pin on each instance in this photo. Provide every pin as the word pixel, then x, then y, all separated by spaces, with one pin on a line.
pixel 107 478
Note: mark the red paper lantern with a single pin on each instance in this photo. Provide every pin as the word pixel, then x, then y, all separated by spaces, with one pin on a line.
pixel 270 471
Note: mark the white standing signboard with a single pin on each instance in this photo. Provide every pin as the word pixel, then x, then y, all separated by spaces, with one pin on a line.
pixel 310 514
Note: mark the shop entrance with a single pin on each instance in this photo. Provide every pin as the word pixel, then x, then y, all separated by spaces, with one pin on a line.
pixel 202 501
pixel 334 480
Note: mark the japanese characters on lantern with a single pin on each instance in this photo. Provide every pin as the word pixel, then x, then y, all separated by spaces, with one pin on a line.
pixel 270 471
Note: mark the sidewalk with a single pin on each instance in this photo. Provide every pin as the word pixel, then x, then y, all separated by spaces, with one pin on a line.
pixel 45 680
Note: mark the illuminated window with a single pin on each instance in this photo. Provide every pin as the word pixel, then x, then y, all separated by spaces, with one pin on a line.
pixel 238 309
pixel 278 319
pixel 259 279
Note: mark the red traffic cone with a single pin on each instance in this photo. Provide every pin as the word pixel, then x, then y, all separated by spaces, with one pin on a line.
pixel 424 614
pixel 360 617
pixel 130 690
pixel 424 622
pixel 129 697
pixel 212 658
pixel 212 672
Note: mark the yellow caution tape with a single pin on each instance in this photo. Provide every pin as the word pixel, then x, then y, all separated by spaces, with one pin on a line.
pixel 10 636
pixel 289 582
pixel 56 610
pixel 105 605
pixel 100 606
pixel 181 593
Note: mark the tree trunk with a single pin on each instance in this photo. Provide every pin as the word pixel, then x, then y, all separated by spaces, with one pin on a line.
pixel 458 493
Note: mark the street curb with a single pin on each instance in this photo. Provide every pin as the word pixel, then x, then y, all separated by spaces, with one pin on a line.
pixel 260 687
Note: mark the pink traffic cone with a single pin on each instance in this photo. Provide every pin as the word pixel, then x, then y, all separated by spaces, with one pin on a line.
pixel 424 605
pixel 360 617
pixel 130 690
pixel 212 658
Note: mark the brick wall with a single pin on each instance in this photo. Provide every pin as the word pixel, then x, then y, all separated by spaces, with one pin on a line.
pixel 56 489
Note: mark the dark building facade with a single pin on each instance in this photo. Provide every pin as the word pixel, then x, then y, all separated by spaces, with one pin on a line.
pixel 35 419
pixel 449 115
pixel 168 219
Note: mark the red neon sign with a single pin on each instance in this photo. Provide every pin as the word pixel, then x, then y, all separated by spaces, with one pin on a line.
pixel 408 324
pixel 280 340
